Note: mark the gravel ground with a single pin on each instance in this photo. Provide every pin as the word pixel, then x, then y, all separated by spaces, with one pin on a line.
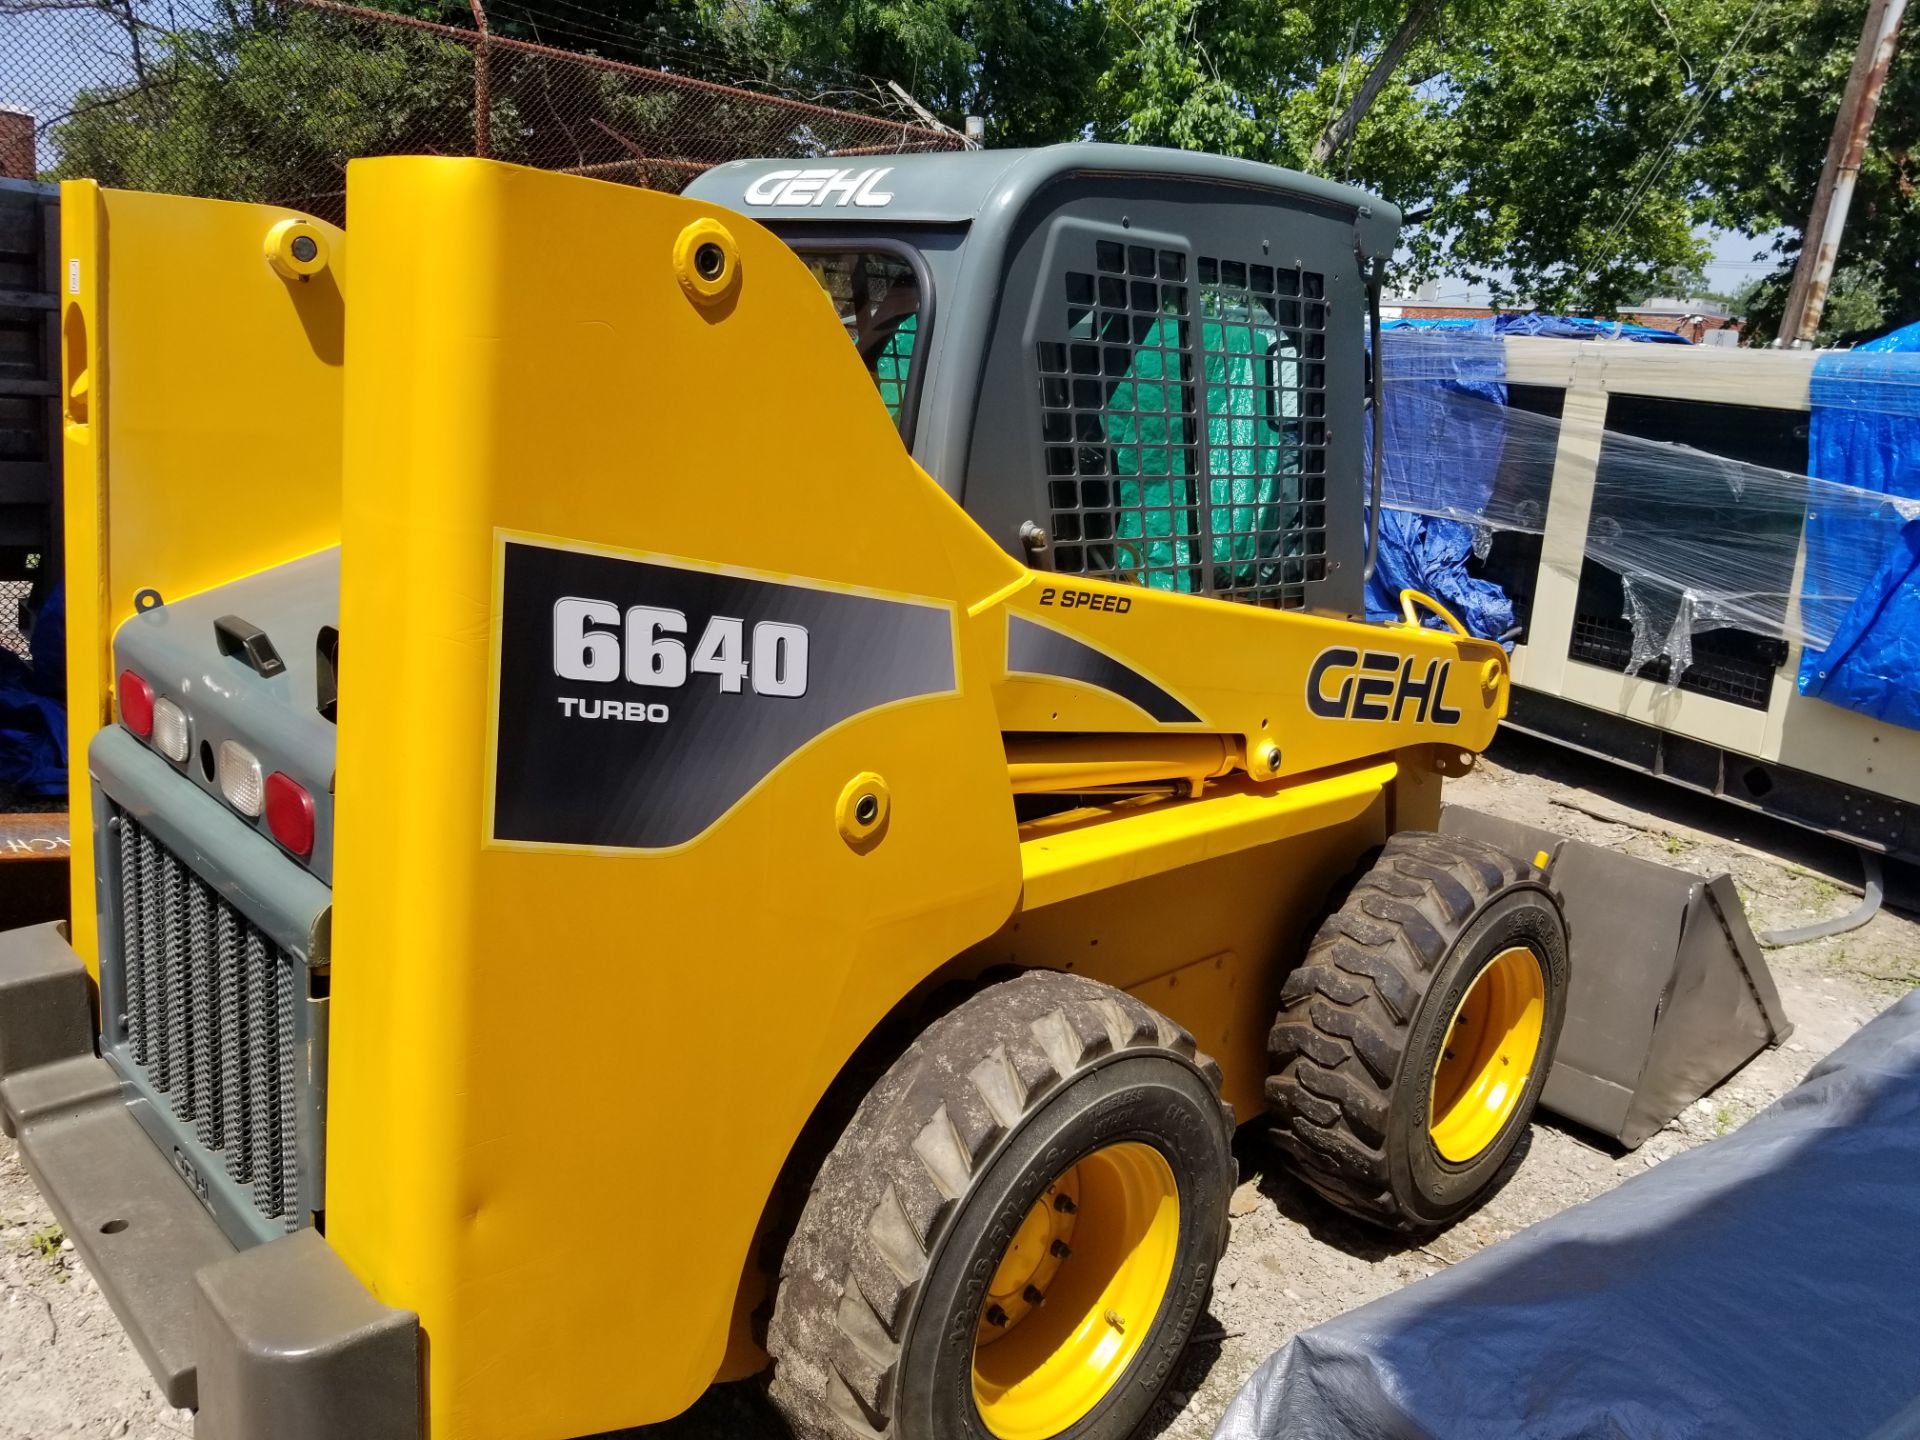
pixel 66 1370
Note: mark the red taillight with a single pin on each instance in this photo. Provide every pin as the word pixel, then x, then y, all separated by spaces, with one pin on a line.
pixel 136 704
pixel 290 813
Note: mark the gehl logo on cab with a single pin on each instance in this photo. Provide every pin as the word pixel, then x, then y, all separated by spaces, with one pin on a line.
pixel 821 187
pixel 1346 684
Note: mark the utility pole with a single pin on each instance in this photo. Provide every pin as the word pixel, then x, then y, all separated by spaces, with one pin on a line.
pixel 483 83
pixel 1820 242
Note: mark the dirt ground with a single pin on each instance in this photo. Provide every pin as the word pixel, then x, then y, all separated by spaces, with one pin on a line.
pixel 66 1370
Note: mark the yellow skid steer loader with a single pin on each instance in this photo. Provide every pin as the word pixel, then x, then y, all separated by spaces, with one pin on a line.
pixel 626 839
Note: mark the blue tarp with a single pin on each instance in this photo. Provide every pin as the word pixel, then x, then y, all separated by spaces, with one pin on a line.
pixel 1421 552
pixel 1554 327
pixel 1865 432
pixel 33 711
pixel 1760 1285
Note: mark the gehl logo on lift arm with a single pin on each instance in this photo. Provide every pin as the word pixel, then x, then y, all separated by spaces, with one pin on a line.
pixel 1349 684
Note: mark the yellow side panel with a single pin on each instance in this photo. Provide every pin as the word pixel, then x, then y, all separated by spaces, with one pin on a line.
pixel 82 443
pixel 1210 942
pixel 1196 906
pixel 202 426
pixel 564 1080
pixel 1220 1001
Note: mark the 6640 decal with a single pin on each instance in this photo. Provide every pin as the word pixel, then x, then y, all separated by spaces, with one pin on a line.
pixel 718 678
pixel 594 641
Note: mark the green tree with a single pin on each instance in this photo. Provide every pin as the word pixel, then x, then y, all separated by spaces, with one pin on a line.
pixel 1761 161
pixel 1538 145
pixel 1171 78
pixel 268 107
pixel 1024 65
pixel 1860 304
pixel 1566 152
pixel 1560 145
pixel 1265 79
pixel 269 102
pixel 1857 305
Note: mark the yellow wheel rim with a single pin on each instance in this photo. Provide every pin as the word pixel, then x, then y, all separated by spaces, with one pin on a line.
pixel 1076 1292
pixel 1488 1056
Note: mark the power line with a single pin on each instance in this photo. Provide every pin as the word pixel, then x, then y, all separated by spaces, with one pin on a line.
pixel 1638 195
pixel 1667 152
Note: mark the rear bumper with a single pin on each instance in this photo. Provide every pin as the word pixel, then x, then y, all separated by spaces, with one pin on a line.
pixel 278 1338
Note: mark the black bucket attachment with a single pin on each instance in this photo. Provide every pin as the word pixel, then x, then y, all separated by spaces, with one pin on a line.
pixel 1669 994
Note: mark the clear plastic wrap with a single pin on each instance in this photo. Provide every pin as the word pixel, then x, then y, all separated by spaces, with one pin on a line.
pixel 1700 542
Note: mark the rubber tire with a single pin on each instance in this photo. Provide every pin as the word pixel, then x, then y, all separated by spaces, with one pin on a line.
pixel 883 1282
pixel 1364 1016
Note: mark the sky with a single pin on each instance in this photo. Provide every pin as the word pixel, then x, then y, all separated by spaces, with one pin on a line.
pixel 45 57
pixel 1733 263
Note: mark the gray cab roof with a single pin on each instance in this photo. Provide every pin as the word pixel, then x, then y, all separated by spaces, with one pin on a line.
pixel 962 186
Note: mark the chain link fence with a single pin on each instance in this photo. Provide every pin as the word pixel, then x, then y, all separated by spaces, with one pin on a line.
pixel 267 100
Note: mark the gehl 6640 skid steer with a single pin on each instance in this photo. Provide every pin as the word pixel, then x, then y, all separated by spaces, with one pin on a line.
pixel 633 839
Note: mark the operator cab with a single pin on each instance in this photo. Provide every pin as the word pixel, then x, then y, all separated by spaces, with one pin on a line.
pixel 1137 365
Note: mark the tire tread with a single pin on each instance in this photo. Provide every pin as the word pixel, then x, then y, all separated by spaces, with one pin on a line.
pixel 892 1184
pixel 1341 1034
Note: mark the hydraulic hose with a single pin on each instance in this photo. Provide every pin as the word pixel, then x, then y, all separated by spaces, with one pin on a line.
pixel 1874 892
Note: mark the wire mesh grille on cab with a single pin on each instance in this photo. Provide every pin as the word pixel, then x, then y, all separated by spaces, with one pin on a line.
pixel 209 1006
pixel 1208 481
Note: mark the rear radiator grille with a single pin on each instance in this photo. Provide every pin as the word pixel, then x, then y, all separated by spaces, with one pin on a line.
pixel 210 1018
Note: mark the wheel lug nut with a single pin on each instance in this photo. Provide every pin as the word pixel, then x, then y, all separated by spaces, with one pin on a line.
pixel 1033 1296
pixel 995 1315
pixel 1061 1249
pixel 1064 1204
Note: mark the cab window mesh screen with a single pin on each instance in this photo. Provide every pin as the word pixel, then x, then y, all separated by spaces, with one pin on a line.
pixel 1214 484
pixel 1118 425
pixel 1263 348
